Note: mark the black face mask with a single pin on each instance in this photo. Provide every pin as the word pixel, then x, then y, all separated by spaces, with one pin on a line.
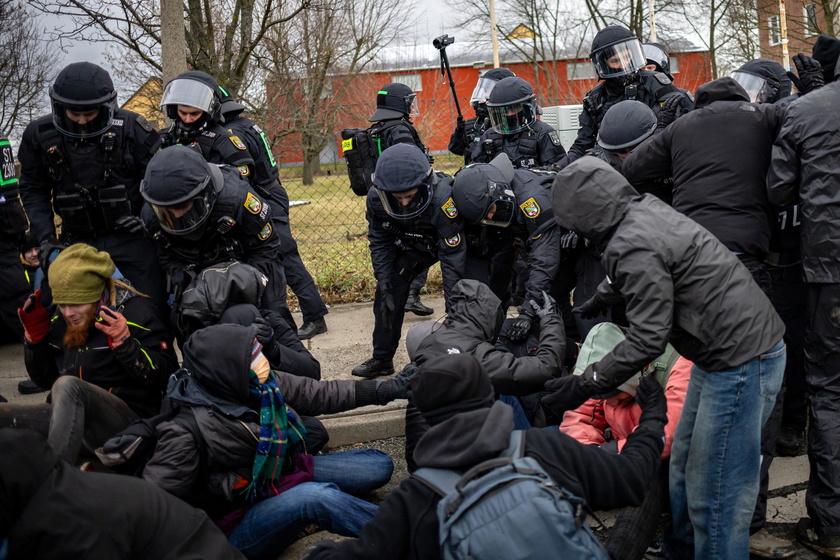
pixel 187 133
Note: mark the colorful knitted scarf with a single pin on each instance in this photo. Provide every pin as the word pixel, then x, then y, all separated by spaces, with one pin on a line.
pixel 281 435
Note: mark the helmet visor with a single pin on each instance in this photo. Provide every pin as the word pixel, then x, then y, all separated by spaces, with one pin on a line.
pixel 413 105
pixel 620 59
pixel 513 118
pixel 482 90
pixel 190 93
pixel 500 210
pixel 186 216
pixel 78 121
pixel 405 204
pixel 758 89
pixel 655 55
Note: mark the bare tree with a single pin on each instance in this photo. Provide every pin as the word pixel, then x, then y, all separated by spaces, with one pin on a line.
pixel 310 61
pixel 26 66
pixel 222 35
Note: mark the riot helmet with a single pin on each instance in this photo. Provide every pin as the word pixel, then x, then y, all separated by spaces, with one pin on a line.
pixel 626 125
pixel 483 194
pixel 657 55
pixel 512 105
pixel 83 100
pixel 617 52
pixel 764 80
pixel 403 181
pixel 486 82
pixel 395 101
pixel 230 108
pixel 194 89
pixel 181 188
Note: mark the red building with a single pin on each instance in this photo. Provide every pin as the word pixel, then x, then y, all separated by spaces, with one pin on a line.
pixel 805 20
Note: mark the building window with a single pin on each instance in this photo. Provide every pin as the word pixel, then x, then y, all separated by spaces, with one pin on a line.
pixel 675 65
pixel 580 71
pixel 414 81
pixel 809 20
pixel 774 30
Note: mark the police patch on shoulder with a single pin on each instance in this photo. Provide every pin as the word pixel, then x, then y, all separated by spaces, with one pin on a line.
pixel 449 208
pixel 453 241
pixel 240 145
pixel 530 208
pixel 554 137
pixel 144 124
pixel 253 204
pixel 244 170
pixel 265 232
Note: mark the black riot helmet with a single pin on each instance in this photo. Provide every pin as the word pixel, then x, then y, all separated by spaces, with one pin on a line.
pixel 657 55
pixel 626 125
pixel 617 52
pixel 482 192
pixel 193 89
pixel 395 101
pixel 764 80
pixel 486 83
pixel 83 100
pixel 512 105
pixel 181 188
pixel 230 108
pixel 403 181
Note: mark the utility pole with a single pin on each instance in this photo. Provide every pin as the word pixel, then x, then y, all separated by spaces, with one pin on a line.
pixel 783 33
pixel 494 34
pixel 173 39
pixel 652 11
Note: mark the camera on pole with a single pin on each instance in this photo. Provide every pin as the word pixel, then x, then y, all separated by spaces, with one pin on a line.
pixel 440 43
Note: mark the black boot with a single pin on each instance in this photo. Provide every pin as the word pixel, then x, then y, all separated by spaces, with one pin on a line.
pixel 311 328
pixel 414 305
pixel 29 387
pixel 374 367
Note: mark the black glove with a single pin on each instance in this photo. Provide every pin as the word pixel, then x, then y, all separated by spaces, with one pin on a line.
pixel 569 240
pixel 567 393
pixel 48 246
pixel 651 398
pixel 265 334
pixel 397 388
pixel 131 224
pixel 519 328
pixel 548 307
pixel 387 308
pixel 610 447
pixel 591 308
pixel 668 111
pixel 461 124
pixel 810 74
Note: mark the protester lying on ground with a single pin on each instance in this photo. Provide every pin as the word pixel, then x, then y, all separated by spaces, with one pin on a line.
pixel 104 353
pixel 49 509
pixel 455 395
pixel 214 293
pixel 232 446
pixel 472 327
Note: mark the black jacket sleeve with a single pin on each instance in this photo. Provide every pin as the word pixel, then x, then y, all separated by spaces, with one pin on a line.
pixel 149 355
pixel 39 359
pixel 651 159
pixel 36 187
pixel 381 241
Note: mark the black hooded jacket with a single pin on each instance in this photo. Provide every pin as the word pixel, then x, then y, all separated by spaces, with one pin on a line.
pixel 679 283
pixel 57 512
pixel 805 168
pixel 406 525
pixel 718 156
pixel 472 326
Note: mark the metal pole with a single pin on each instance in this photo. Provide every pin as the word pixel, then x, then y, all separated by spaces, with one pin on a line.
pixel 173 39
pixel 652 11
pixel 494 34
pixel 783 32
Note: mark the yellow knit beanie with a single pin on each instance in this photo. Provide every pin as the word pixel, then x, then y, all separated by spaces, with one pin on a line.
pixel 78 274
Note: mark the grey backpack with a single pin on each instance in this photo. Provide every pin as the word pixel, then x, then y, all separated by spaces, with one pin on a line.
pixel 509 508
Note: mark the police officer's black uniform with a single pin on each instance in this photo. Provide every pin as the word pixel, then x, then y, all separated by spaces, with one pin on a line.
pixel 401 246
pixel 14 287
pixel 536 146
pixel 237 224
pixel 90 180
pixel 266 180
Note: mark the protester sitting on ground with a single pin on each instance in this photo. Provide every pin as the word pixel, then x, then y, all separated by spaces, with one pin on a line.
pixel 235 448
pixel 104 353
pixel 455 395
pixel 49 509
pixel 472 327
pixel 608 421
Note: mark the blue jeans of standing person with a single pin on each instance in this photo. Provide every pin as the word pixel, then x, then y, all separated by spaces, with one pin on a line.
pixel 716 457
pixel 273 524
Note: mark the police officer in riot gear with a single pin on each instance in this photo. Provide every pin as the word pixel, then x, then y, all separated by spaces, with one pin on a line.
pixel 467 133
pixel 266 180
pixel 619 59
pixel 85 162
pixel 498 202
pixel 516 131
pixel 765 80
pixel 658 59
pixel 412 223
pixel 202 214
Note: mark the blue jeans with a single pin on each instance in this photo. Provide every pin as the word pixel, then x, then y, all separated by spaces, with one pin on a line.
pixel 273 524
pixel 520 420
pixel 716 457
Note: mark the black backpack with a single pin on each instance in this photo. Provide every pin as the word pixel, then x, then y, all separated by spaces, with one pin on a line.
pixel 361 156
